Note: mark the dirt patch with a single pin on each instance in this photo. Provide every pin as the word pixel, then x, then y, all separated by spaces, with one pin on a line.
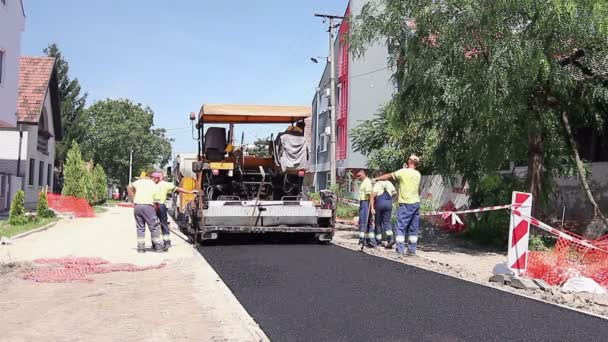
pixel 183 301
pixel 156 305
pixel 9 268
pixel 444 253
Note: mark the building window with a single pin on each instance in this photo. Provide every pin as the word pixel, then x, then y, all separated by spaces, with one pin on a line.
pixel 41 174
pixel 1 65
pixel 49 175
pixel 31 172
pixel 323 139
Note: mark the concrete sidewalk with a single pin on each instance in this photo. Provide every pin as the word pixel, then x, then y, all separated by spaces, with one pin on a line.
pixel 184 301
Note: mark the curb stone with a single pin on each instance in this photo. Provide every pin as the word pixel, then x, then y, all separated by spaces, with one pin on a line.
pixel 34 231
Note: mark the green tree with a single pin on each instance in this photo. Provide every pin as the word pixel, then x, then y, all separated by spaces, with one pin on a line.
pixel 100 184
pixel 75 174
pixel 42 207
pixel 260 148
pixel 494 81
pixel 114 127
pixel 17 211
pixel 72 106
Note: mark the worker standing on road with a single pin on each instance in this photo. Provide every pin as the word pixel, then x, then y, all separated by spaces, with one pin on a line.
pixel 142 193
pixel 408 213
pixel 163 188
pixel 381 202
pixel 365 227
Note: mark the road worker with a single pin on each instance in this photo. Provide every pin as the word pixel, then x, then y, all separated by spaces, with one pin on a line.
pixel 365 225
pixel 142 193
pixel 408 212
pixel 381 203
pixel 163 188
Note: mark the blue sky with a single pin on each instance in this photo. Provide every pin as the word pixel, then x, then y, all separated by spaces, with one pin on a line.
pixel 176 55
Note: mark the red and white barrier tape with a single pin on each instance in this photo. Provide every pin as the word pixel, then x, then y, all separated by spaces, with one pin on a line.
pixel 555 231
pixel 454 214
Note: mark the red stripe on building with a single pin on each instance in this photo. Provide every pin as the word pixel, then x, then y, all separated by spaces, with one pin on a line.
pixel 342 117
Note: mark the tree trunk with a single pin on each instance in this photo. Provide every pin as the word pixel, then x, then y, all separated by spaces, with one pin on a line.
pixel 535 167
pixel 581 169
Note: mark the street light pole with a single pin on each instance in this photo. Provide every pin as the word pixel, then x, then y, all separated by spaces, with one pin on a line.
pixel 332 97
pixel 130 166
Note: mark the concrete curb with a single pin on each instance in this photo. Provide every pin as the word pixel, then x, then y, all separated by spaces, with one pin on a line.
pixel 34 231
pixel 475 282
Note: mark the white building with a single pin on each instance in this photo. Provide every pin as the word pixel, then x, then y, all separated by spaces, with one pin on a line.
pixel 12 25
pixel 38 128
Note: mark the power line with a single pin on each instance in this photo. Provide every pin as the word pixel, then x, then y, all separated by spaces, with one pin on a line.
pixel 371 72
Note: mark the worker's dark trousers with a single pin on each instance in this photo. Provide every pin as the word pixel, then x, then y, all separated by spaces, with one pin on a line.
pixel 408 223
pixel 366 229
pixel 164 222
pixel 146 215
pixel 384 208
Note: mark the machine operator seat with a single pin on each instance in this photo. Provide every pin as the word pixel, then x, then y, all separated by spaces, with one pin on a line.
pixel 215 143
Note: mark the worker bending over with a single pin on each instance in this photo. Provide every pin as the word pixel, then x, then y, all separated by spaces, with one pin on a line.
pixel 365 226
pixel 381 202
pixel 408 212
pixel 142 193
pixel 164 188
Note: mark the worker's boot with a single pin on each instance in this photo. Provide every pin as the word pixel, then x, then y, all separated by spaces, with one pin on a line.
pixel 160 247
pixel 141 248
pixel 167 244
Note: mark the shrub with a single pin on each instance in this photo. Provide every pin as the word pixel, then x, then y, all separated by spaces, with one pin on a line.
pixel 346 211
pixel 17 211
pixel 100 184
pixel 75 174
pixel 42 208
pixel 492 228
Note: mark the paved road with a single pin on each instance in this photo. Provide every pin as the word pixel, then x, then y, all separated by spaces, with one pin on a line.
pixel 327 293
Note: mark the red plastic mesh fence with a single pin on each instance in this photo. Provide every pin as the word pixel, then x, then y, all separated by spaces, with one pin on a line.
pixel 78 207
pixel 570 259
pixel 66 270
pixel 566 260
pixel 445 223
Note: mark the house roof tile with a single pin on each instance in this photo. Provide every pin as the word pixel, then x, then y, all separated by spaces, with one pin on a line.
pixel 34 78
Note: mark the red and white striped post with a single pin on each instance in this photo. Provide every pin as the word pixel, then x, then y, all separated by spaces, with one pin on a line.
pixel 519 233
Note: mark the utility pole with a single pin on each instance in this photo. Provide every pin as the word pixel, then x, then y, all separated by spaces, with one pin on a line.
pixel 332 96
pixel 130 166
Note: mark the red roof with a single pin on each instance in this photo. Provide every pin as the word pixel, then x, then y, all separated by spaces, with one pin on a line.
pixel 34 80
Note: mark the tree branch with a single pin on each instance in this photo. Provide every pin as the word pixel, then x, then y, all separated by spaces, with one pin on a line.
pixel 581 169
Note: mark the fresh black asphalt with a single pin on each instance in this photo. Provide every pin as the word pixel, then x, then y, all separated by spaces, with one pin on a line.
pixel 308 292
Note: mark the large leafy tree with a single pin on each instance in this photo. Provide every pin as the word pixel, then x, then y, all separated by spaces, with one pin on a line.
pixel 72 106
pixel 114 128
pixel 494 81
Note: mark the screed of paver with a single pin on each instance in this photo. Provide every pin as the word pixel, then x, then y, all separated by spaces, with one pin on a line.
pixel 184 301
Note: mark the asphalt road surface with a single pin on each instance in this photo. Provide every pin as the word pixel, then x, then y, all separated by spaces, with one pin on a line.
pixel 299 292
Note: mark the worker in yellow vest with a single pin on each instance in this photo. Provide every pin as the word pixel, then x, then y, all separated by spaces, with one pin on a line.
pixel 163 188
pixel 408 212
pixel 366 229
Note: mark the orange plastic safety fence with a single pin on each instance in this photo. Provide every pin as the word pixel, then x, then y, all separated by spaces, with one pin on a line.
pixel 78 207
pixel 569 259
